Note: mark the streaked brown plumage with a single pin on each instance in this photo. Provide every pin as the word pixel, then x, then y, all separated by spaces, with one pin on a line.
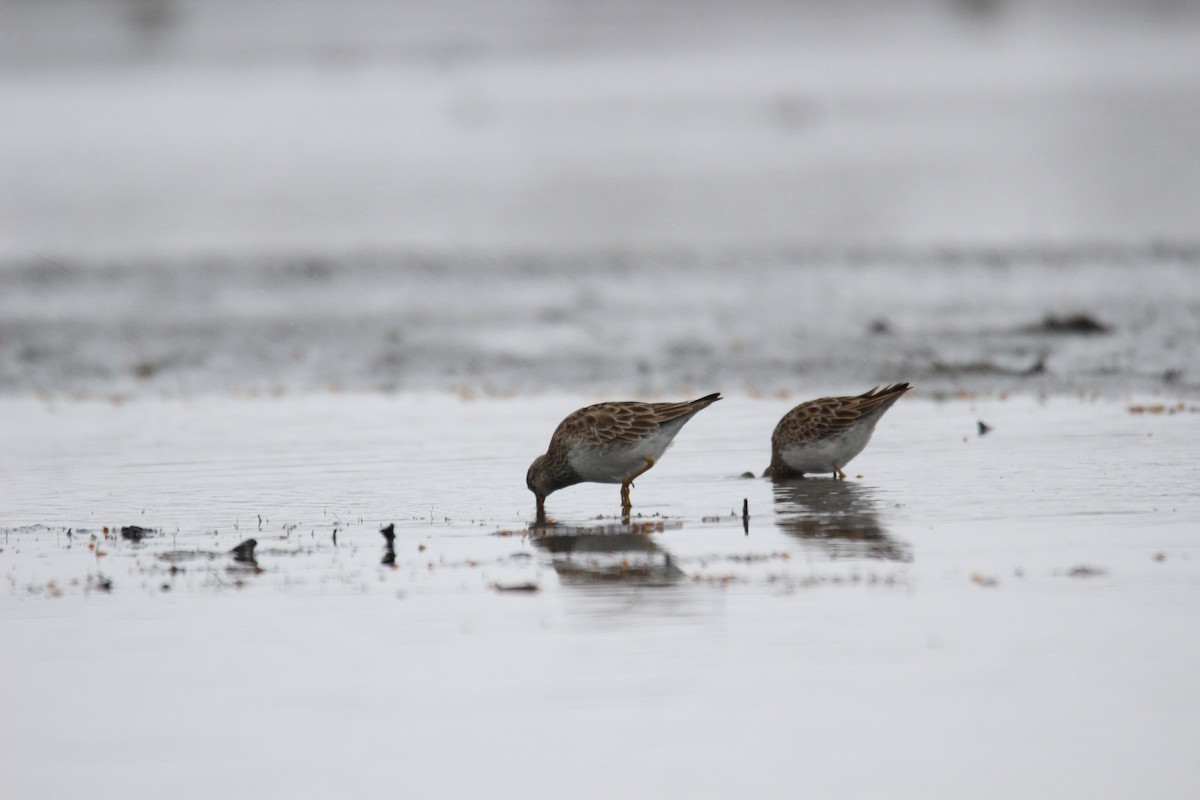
pixel 823 435
pixel 608 443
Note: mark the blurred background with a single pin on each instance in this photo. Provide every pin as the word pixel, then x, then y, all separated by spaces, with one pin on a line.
pixel 214 195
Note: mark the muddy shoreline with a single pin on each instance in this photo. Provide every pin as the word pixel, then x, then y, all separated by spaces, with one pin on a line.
pixel 1034 323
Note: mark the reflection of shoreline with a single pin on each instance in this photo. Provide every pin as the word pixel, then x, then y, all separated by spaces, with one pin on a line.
pixel 836 517
pixel 628 555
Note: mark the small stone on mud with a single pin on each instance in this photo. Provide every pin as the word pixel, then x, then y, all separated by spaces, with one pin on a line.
pixel 244 552
pixel 1071 324
pixel 135 533
pixel 515 587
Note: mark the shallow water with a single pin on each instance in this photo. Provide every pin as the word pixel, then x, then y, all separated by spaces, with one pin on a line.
pixel 962 604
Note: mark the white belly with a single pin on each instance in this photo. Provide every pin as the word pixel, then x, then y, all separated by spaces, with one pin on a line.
pixel 828 455
pixel 615 465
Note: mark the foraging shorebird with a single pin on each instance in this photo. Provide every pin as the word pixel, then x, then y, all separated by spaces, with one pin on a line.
pixel 608 443
pixel 823 435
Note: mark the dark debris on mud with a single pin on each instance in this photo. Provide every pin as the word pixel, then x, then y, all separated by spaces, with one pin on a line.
pixel 1070 325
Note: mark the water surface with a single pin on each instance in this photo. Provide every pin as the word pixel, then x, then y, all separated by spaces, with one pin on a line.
pixel 1022 597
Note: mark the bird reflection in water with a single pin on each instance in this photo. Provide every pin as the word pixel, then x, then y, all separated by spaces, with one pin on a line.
pixel 607 554
pixel 839 518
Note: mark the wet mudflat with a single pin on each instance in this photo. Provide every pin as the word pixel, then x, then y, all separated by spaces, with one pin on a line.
pixel 1017 320
pixel 990 615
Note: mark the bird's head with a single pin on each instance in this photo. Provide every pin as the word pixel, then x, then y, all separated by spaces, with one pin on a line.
pixel 536 477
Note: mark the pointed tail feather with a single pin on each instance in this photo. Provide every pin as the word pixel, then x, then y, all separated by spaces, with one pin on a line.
pixel 669 411
pixel 883 398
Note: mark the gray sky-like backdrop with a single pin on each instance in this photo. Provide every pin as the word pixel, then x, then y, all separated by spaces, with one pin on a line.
pixel 135 128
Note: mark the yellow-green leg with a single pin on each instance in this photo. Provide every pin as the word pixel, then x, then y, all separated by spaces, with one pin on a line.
pixel 626 503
